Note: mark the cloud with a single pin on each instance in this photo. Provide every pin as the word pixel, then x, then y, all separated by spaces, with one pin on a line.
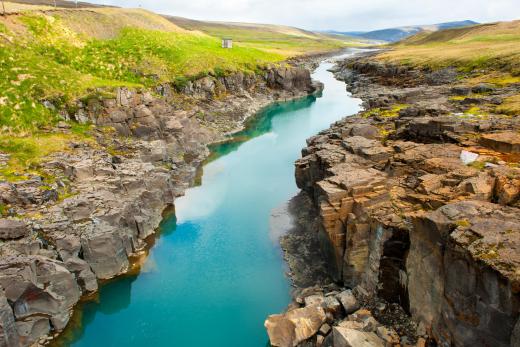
pixel 334 14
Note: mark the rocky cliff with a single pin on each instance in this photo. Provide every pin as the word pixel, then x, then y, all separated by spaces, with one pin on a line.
pixel 418 199
pixel 148 145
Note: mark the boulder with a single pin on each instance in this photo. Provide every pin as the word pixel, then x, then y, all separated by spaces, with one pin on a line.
pixel 293 327
pixel 332 305
pixel 105 252
pixel 482 88
pixel 505 142
pixel 8 331
pixel 460 90
pixel 468 157
pixel 349 301
pixel 314 300
pixel 365 130
pixel 31 330
pixel 11 229
pixel 344 337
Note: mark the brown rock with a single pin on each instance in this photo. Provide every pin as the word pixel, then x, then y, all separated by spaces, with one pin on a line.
pixel 344 337
pixel 293 327
pixel 349 301
pixel 11 229
pixel 505 142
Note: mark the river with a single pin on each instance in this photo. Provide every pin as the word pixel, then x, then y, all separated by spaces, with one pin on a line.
pixel 214 273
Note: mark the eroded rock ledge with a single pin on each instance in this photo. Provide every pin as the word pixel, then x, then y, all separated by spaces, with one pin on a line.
pixel 419 205
pixel 55 249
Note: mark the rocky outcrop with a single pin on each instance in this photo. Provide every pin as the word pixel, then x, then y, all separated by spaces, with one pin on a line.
pixel 462 269
pixel 316 318
pixel 419 205
pixel 106 198
pixel 293 327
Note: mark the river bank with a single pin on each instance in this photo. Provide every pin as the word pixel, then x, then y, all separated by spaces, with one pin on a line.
pixel 59 249
pixel 214 264
pixel 416 204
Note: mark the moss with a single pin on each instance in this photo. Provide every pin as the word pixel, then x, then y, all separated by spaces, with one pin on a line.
pixel 392 112
pixel 479 165
pixel 463 223
pixel 510 106
pixel 473 110
pixel 27 152
pixel 3 209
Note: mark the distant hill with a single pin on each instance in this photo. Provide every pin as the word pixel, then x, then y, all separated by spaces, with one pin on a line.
pixel 279 39
pixel 58 3
pixel 400 33
pixel 491 46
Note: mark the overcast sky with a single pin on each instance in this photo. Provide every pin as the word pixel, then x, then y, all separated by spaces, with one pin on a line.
pixel 346 15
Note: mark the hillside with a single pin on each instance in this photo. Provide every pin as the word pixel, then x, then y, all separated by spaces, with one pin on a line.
pixel 400 33
pixel 486 53
pixel 273 38
pixel 66 54
pixel 492 46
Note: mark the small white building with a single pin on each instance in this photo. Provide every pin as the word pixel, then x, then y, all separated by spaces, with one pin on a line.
pixel 227 42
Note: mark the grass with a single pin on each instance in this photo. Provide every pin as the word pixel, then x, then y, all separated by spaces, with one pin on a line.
pixel 287 41
pixel 57 57
pixel 28 151
pixel 496 78
pixel 510 106
pixel 393 112
pixel 489 46
pixel 53 62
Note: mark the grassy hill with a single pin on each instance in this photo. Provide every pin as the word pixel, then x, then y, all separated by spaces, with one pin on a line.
pixel 62 54
pixel 493 46
pixel 279 39
pixel 400 33
pixel 51 58
pixel 488 53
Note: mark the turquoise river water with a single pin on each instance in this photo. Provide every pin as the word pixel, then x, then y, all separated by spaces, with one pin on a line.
pixel 214 273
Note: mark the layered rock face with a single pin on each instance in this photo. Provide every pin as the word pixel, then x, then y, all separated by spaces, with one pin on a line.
pixel 419 204
pixel 59 239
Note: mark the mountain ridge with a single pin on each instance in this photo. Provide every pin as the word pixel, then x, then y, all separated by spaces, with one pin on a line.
pixel 400 33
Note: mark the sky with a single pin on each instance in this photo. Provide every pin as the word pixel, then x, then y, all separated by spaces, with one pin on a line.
pixel 341 15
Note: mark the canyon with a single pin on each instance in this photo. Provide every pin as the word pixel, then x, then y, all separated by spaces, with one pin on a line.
pixel 119 189
pixel 146 176
pixel 415 203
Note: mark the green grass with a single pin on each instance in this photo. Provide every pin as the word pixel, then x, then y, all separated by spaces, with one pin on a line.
pixel 393 112
pixel 68 55
pixel 26 152
pixel 287 41
pixel 510 106
pixel 57 64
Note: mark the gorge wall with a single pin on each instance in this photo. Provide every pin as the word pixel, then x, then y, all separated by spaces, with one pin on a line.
pixel 419 204
pixel 148 146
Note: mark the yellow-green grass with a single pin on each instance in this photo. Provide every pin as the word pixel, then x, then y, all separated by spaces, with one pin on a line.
pixel 392 112
pixel 497 78
pixel 510 106
pixel 66 55
pixel 27 151
pixel 493 46
pixel 284 40
pixel 44 57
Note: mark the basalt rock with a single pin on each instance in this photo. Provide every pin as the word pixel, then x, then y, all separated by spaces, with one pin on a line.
pixel 108 197
pixel 406 217
pixel 12 229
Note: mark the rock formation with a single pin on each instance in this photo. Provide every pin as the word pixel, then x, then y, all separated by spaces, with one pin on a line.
pixel 61 237
pixel 419 205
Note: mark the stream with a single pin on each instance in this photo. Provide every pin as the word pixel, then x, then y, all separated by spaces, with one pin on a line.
pixel 215 273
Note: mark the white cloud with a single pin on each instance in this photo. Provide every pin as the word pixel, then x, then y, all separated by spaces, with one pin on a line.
pixel 334 14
